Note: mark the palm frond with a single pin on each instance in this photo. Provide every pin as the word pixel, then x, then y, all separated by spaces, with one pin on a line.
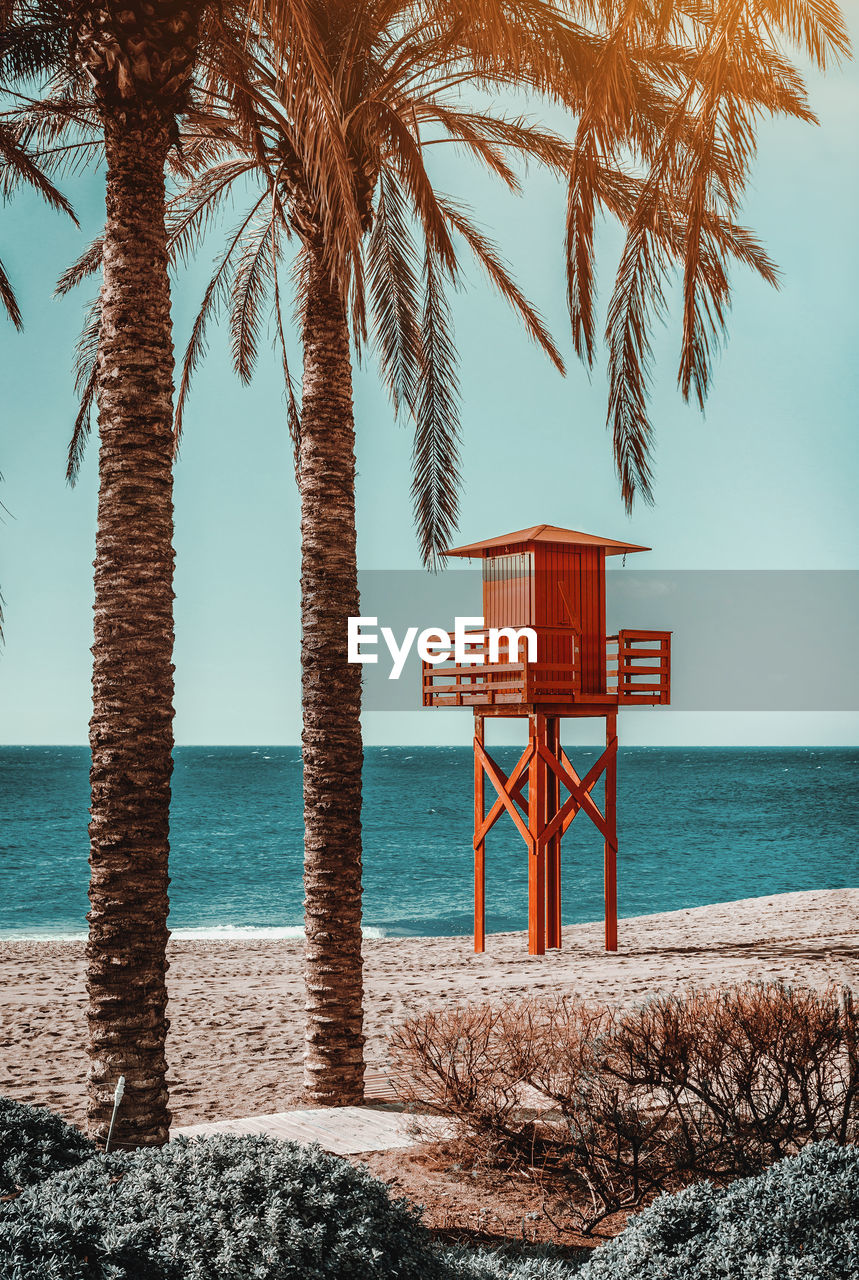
pixel 657 239
pixel 86 386
pixel 539 45
pixel 435 455
pixel 33 42
pixel 470 132
pixel 340 104
pixel 252 277
pixel 607 125
pixel 526 139
pixel 217 292
pixel 582 200
pixel 8 299
pixel 489 259
pixel 392 278
pixel 639 297
pixel 303 80
pixel 82 268
pixel 815 26
pixel 405 155
pixel 716 165
pixel 17 167
pixel 734 241
pixel 293 412
pixel 60 133
pixel 191 212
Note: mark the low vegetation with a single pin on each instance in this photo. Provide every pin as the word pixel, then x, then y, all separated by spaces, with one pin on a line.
pixel 218 1208
pixel 35 1143
pixel 607 1108
pixel 798 1220
pixel 230 1207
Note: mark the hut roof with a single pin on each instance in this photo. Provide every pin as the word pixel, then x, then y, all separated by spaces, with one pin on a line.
pixel 544 533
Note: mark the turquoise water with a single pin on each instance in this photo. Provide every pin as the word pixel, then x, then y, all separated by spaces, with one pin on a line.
pixel 695 825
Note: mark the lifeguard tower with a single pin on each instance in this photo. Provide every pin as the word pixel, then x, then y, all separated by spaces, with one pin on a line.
pixel 553 581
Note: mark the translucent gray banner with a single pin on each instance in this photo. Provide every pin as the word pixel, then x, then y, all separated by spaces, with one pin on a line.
pixel 741 640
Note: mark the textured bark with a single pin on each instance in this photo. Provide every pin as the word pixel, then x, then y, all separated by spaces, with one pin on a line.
pixel 331 738
pixel 138 54
pixel 131 732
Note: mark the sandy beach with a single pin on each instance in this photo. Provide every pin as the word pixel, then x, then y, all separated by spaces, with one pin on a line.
pixel 236 1007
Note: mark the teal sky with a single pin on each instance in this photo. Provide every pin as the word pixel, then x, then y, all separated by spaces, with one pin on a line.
pixel 767 480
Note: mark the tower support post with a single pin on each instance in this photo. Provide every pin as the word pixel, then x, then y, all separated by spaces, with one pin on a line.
pixel 537 725
pixel 610 856
pixel 553 846
pixel 479 841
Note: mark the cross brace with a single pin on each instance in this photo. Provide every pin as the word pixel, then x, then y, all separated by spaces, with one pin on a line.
pixel 542 820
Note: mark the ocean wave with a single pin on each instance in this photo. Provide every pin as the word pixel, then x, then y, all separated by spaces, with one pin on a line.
pixel 239 932
pixel 193 933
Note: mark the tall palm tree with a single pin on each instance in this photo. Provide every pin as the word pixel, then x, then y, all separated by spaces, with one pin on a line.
pixel 667 99
pixel 403 255
pixel 126 71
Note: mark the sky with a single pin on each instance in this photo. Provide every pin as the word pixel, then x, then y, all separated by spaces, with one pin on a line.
pixel 766 480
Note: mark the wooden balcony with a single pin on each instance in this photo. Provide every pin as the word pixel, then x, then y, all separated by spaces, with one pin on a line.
pixel 637 668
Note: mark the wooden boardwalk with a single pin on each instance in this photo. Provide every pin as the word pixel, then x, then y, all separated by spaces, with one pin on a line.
pixel 379 1125
pixel 344 1131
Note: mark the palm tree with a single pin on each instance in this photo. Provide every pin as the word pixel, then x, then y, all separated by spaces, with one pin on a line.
pixel 667 100
pixel 404 254
pixel 125 71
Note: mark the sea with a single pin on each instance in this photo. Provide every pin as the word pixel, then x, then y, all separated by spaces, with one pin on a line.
pixel 695 826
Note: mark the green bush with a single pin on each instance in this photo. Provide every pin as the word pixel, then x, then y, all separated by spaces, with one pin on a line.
pixel 797 1221
pixel 217 1208
pixel 511 1263
pixel 35 1143
pixel 232 1208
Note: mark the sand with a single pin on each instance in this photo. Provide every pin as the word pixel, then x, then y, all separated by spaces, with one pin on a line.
pixel 236 1007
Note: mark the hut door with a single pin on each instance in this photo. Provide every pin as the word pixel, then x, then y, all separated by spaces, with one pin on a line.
pixel 592 620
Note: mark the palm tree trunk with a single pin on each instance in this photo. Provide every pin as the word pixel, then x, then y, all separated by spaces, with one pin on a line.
pixel 331 737
pixel 131 731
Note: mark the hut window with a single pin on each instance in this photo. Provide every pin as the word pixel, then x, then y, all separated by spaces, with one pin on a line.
pixel 503 568
pixel 508 590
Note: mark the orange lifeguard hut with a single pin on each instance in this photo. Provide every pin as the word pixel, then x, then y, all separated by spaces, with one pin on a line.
pixel 553 581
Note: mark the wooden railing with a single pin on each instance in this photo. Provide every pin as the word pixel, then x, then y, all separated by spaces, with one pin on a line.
pixel 453 684
pixel 638 670
pixel 638 667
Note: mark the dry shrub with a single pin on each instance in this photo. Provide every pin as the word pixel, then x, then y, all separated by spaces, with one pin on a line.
pixel 749 1074
pixel 608 1107
pixel 472 1063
